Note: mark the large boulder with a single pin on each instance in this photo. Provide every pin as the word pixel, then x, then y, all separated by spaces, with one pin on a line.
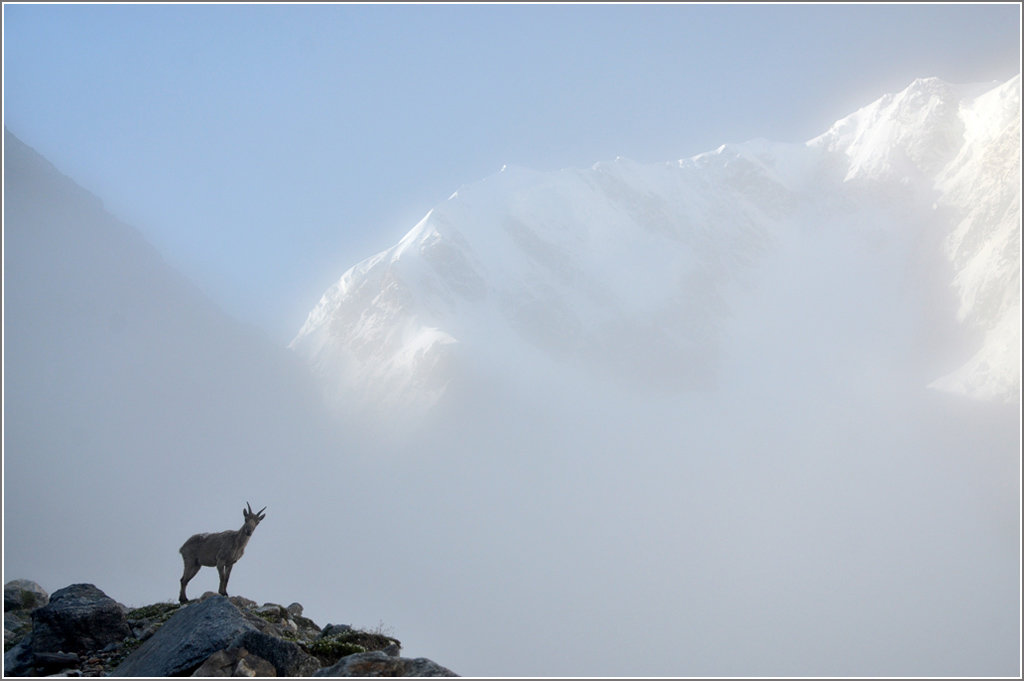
pixel 187 639
pixel 379 663
pixel 23 594
pixel 77 619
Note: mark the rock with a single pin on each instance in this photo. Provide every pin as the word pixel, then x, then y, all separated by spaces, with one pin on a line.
pixel 295 609
pixel 335 629
pixel 16 625
pixel 221 663
pixel 253 666
pixel 273 610
pixel 94 666
pixel 187 639
pixel 78 618
pixel 240 602
pixel 235 662
pixel 287 657
pixel 143 633
pixel 23 594
pixel 378 663
pixel 18 660
pixel 50 662
pixel 307 629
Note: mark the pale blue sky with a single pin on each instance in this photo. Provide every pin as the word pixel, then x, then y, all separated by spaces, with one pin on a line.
pixel 264 149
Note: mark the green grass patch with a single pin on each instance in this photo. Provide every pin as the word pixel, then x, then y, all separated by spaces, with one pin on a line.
pixel 159 611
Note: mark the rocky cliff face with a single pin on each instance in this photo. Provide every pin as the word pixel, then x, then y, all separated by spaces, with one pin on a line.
pixel 80 631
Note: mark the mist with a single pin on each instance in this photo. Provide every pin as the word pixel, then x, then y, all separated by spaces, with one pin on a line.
pixel 807 508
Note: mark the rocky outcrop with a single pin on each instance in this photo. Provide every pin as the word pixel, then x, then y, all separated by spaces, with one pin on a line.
pixel 80 631
pixel 78 618
pixel 192 635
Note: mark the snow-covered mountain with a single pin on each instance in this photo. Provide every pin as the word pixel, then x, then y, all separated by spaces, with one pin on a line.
pixel 892 241
pixel 761 402
pixel 961 147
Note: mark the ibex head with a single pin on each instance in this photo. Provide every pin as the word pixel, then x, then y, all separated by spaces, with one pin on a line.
pixel 252 519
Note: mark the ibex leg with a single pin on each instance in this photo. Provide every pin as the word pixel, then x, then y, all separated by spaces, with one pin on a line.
pixel 224 569
pixel 190 572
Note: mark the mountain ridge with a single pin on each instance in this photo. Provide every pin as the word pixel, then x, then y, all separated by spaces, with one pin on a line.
pixel 547 253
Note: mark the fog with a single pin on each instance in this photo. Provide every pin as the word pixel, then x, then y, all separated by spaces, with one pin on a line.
pixel 813 510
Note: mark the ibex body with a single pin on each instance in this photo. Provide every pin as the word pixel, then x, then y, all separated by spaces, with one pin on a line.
pixel 217 549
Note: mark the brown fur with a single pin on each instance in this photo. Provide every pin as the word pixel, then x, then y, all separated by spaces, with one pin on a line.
pixel 217 549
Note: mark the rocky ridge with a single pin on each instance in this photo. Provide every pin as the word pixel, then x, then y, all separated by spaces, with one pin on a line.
pixel 80 631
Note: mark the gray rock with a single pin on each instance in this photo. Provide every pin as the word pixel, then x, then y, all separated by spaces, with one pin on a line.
pixel 335 629
pixel 253 666
pixel 295 610
pixel 23 594
pixel 16 625
pixel 77 619
pixel 234 662
pixel 221 663
pixel 287 657
pixel 143 632
pixel 377 663
pixel 51 662
pixel 239 602
pixel 272 609
pixel 308 630
pixel 18 660
pixel 187 639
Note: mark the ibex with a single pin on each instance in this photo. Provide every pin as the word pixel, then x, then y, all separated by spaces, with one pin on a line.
pixel 221 549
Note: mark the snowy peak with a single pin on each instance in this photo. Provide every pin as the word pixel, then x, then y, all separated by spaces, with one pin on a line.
pixel 980 193
pixel 640 273
pixel 903 136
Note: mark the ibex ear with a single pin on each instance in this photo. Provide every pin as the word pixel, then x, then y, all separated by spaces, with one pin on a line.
pixel 260 515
